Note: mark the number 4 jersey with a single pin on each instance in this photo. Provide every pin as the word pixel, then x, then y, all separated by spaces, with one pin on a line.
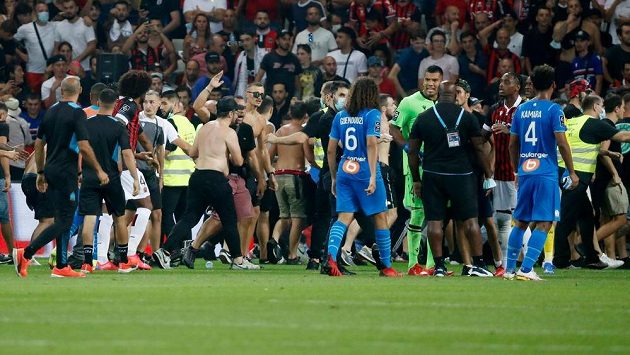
pixel 535 123
pixel 352 132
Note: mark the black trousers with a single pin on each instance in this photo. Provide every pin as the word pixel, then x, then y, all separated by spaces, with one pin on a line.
pixel 61 190
pixel 575 210
pixel 173 207
pixel 211 189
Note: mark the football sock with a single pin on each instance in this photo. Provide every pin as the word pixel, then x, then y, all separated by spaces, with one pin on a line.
pixel 104 230
pixel 384 242
pixel 478 261
pixel 549 245
pixel 137 229
pixel 430 259
pixel 337 231
pixel 515 243
pixel 414 234
pixel 122 251
pixel 439 262
pixel 534 247
pixel 87 253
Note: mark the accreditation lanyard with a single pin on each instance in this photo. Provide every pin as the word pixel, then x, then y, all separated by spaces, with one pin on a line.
pixel 452 135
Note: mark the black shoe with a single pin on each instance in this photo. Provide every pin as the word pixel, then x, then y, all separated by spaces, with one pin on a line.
pixel 466 270
pixel 595 265
pixel 345 271
pixel 376 255
pixel 359 261
pixel 294 261
pixel 325 268
pixel 312 264
pixel 626 264
pixel 176 258
pixel 440 272
pixel 5 259
pixel 188 257
pixel 579 248
pixel 274 252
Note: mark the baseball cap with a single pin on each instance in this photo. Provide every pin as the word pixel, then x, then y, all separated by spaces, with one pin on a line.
pixel 107 96
pixel 226 105
pixel 374 61
pixel 284 33
pixel 56 59
pixel 582 35
pixel 157 75
pixel 578 86
pixel 474 101
pixel 463 84
pixel 213 57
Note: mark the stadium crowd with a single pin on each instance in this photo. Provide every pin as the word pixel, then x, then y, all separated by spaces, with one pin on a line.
pixel 281 71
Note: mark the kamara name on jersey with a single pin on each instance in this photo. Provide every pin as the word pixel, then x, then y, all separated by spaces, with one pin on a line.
pixel 351 120
pixel 531 114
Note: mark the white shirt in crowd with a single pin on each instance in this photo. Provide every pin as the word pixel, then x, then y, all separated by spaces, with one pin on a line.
pixel 206 6
pixel 46 86
pixel 448 63
pixel 622 10
pixel 78 35
pixel 36 62
pixel 516 43
pixel 321 42
pixel 351 64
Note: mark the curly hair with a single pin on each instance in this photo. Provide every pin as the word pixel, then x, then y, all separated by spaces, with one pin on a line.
pixel 363 95
pixel 134 84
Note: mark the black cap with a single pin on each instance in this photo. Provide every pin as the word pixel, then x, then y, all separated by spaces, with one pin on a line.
pixel 583 36
pixel 463 84
pixel 56 59
pixel 107 97
pixel 213 57
pixel 226 105
pixel 284 33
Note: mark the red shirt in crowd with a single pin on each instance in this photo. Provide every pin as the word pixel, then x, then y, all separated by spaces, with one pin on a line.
pixel 441 6
pixel 387 87
pixel 495 56
pixel 358 14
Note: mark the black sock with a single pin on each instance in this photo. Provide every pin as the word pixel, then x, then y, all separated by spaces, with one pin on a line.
pixel 29 252
pixel 478 261
pixel 88 251
pixel 439 262
pixel 122 251
pixel 194 251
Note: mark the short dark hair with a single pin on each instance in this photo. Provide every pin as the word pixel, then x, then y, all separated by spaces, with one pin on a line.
pixel 466 34
pixel 305 47
pixel 435 69
pixel 266 103
pixel 543 77
pixel 611 102
pixel 121 2
pixel 437 33
pixel 312 4
pixel 297 111
pixel 515 77
pixel 589 102
pixel 170 95
pixel 338 84
pixel 107 96
pixel 418 34
pixel 626 98
pixel 23 8
pixel 9 26
pixel 620 28
pixel 34 96
pixel 97 88
pixel 382 99
pixel 312 105
pixel 183 88
pixel 263 11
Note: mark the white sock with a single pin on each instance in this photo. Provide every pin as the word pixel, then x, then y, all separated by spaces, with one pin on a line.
pixel 104 231
pixel 138 229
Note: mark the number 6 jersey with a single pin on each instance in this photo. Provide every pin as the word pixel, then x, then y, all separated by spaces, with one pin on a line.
pixel 535 123
pixel 352 132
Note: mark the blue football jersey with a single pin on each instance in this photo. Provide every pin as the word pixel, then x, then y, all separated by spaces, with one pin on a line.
pixel 535 123
pixel 352 132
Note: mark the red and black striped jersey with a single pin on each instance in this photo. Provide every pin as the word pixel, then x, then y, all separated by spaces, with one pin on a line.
pixel 400 39
pixel 500 113
pixel 128 112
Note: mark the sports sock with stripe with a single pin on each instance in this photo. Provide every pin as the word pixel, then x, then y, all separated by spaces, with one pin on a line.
pixel 515 243
pixel 337 232
pixel 384 242
pixel 534 247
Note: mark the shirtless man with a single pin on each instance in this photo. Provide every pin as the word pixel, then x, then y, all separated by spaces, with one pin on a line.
pixel 215 144
pixel 290 174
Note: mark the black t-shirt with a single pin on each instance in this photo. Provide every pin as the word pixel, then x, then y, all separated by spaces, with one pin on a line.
pixel 596 131
pixel 107 137
pixel 62 128
pixel 602 175
pixel 536 47
pixel 319 126
pixel 4 132
pixel 247 143
pixel 570 111
pixel 616 58
pixel 281 69
pixel 438 157
pixel 477 166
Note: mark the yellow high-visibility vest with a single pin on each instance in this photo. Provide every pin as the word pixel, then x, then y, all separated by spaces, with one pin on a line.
pixel 584 154
pixel 177 165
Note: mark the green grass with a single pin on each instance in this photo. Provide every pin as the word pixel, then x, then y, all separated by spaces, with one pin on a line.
pixel 285 309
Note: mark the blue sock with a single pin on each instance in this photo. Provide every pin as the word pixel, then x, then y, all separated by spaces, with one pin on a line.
pixel 337 231
pixel 384 243
pixel 535 245
pixel 515 243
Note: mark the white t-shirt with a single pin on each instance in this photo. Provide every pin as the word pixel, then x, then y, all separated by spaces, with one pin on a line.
pixel 355 61
pixel 622 10
pixel 448 63
pixel 36 62
pixel 322 42
pixel 47 85
pixel 206 6
pixel 78 35
pixel 516 44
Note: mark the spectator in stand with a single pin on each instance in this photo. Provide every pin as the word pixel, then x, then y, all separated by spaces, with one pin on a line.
pixel 452 29
pixel 36 64
pixel 19 136
pixel 74 66
pixel 185 97
pixel 190 75
pixel 385 85
pixel 309 73
pixel 537 48
pixel 8 46
pixel 299 11
pixel 617 56
pixel 618 12
pixel 94 14
pixel 280 104
pixel 586 64
pixel 495 55
pixel 266 35
pixel 213 10
pixel 472 64
pixel 281 66
pixel 51 88
pixel 118 26
pixel 439 57
pixel 74 31
pixel 509 22
pixel 442 6
pixel 167 12
pixel 380 10
pixel 409 62
pixel 23 14
pixel 33 113
pixel 18 87
pixel 157 39
pixel 229 28
pixel 320 40
pixel 145 55
pixel 7 8
pixel 329 64
pixel 506 65
pixel 350 62
pixel 409 18
pixel 623 84
pixel 87 81
pixel 157 82
pixel 198 38
pixel 270 7
pixel 247 63
pixel 214 66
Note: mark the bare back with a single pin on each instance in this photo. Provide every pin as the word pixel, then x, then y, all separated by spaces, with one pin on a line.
pixel 290 157
pixel 384 142
pixel 212 142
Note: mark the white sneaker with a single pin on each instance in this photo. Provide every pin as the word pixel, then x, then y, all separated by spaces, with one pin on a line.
pixel 245 265
pixel 479 272
pixel 34 262
pixel 612 264
pixel 528 276
pixel 509 275
pixel 366 253
pixel 346 258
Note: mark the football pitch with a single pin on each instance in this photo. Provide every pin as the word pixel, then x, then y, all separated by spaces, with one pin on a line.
pixel 287 310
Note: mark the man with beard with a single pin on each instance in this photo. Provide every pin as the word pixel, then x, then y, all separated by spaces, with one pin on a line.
pixel 539 35
pixel 281 66
pixel 328 74
pixel 265 34
pixel 214 65
pixel 119 28
pixel 74 31
pixel 142 55
pixel 315 36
